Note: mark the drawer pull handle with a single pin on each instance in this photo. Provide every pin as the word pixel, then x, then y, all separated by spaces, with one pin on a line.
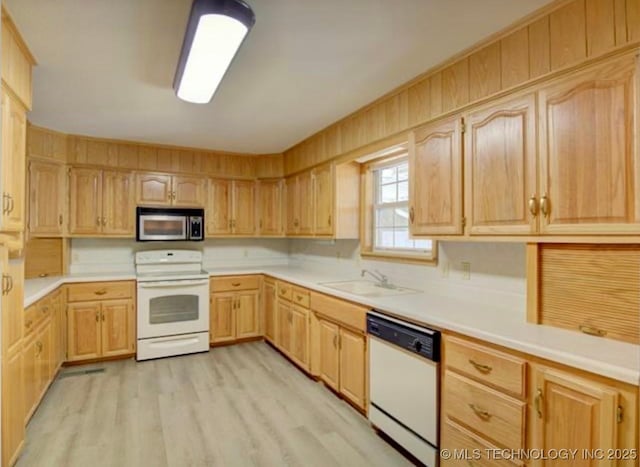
pixel 538 402
pixel 100 292
pixel 592 331
pixel 299 298
pixel 283 292
pixel 480 367
pixel 28 324
pixel 483 414
pixel 235 284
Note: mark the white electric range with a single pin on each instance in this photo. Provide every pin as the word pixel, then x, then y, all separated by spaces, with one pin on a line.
pixel 173 303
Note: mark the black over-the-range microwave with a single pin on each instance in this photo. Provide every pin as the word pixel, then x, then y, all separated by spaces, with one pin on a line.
pixel 169 224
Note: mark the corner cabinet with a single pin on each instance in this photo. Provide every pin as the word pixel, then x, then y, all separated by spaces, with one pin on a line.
pixel 158 189
pixel 231 208
pixel 435 178
pixel 47 193
pixel 271 208
pixel 589 151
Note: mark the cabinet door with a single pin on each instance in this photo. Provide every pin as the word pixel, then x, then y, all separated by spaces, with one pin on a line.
pixel 45 361
pixel 189 191
pixel 46 198
pixel 218 217
pixel 244 208
pixel 500 150
pixel 572 413
pixel 353 367
pixel 270 208
pixel 247 314
pixel 31 370
pixel 12 407
pixel 329 354
pixel 14 141
pixel 435 179
pixel 269 303
pixel 284 326
pixel 153 189
pixel 118 207
pixel 300 335
pixel 306 203
pixel 589 162
pixel 118 335
pixel 12 315
pixel 323 196
pixel 222 320
pixel 85 201
pixel 83 335
pixel 292 205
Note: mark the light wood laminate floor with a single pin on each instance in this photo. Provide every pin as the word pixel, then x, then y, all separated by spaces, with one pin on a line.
pixel 240 405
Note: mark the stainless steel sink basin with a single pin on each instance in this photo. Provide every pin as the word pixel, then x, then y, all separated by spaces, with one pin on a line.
pixel 367 288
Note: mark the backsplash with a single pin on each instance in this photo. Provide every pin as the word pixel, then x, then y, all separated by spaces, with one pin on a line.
pixel 94 255
pixel 497 270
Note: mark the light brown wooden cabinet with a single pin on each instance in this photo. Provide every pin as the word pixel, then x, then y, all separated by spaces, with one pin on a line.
pixel 158 189
pixel 270 308
pixel 293 323
pixel 300 204
pixel 283 337
pixel 323 196
pixel 100 320
pixel 271 208
pixel 435 178
pixel 500 151
pixel 329 334
pixel 231 209
pixel 235 312
pixel 47 194
pixel 101 202
pixel 353 367
pixel 222 323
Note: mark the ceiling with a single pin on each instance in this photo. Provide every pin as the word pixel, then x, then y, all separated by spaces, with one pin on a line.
pixel 105 68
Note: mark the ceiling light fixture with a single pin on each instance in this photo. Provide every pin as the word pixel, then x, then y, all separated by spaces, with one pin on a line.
pixel 215 31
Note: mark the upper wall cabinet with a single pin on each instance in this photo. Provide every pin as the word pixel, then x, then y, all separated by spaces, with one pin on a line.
pixel 231 207
pixel 100 202
pixel 157 189
pixel 271 208
pixel 435 178
pixel 589 162
pixel 500 152
pixel 300 204
pixel 17 61
pixel 46 198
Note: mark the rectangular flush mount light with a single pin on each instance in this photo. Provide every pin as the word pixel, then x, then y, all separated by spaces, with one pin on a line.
pixel 215 31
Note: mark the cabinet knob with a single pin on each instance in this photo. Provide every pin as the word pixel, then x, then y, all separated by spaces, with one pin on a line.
pixel 411 214
pixel 100 292
pixel 545 205
pixel 235 284
pixel 538 402
pixel 592 331
pixel 483 414
pixel 533 205
pixel 480 367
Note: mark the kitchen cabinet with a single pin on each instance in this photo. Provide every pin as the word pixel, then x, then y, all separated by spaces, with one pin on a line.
pixel 435 178
pixel 17 61
pixel 13 162
pixel 292 205
pixel 270 208
pixel 300 204
pixel 38 361
pixel 329 354
pixel 100 320
pixel 283 340
pixel 293 323
pixel 47 194
pixel 352 370
pixel 500 151
pixel 270 310
pixel 323 199
pixel 299 332
pixel 157 189
pixel 589 156
pixel 100 202
pixel 235 309
pixel 231 207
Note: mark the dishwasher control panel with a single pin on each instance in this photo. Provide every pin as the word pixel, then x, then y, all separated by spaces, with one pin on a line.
pixel 419 340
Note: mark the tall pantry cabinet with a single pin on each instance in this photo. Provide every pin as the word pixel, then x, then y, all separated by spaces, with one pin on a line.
pixel 15 96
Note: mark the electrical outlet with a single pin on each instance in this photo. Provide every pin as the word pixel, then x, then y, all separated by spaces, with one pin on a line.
pixel 466 270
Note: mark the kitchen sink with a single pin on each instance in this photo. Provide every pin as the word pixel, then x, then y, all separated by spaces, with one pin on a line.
pixel 367 288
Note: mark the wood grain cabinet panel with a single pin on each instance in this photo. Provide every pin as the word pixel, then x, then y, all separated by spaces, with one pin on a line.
pixel 219 207
pixel 435 178
pixel 353 367
pixel 270 311
pixel 500 150
pixel 118 333
pixel 222 317
pixel 188 191
pixel 284 327
pixel 485 73
pixel 329 353
pixel 299 351
pixel 567 32
pixel 118 208
pixel 590 168
pixel 306 202
pixel 153 189
pixel 31 368
pixel 292 205
pixel 47 195
pixel 271 207
pixel 13 426
pixel 514 63
pixel 84 332
pixel 85 201
pixel 247 315
pixel 244 207
pixel 323 194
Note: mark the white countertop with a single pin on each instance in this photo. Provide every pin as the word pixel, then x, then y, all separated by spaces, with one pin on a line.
pixel 606 357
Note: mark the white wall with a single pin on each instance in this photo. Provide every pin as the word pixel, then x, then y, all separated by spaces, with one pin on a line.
pixel 90 255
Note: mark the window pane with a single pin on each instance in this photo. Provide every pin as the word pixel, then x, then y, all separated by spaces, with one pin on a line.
pixel 385 217
pixel 401 239
pixel 403 171
pixel 403 191
pixel 388 175
pixel 401 217
pixel 384 238
pixel 423 244
pixel 388 193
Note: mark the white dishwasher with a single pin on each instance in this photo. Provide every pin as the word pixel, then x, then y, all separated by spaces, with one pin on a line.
pixel 404 384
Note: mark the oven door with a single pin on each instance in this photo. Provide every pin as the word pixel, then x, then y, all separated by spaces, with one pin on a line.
pixel 169 308
pixel 162 227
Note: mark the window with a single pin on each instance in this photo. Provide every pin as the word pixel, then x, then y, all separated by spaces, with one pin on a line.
pixel 390 216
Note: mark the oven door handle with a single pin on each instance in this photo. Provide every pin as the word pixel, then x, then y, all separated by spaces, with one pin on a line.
pixel 171 284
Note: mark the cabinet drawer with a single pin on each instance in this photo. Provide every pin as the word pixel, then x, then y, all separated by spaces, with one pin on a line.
pixel 285 290
pixel 32 317
pixel 231 283
pixel 456 438
pixel 345 313
pixel 89 291
pixel 486 365
pixel 496 416
pixel 300 296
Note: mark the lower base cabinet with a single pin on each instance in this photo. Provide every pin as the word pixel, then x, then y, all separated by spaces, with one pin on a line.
pixel 234 311
pixel 13 423
pixel 270 309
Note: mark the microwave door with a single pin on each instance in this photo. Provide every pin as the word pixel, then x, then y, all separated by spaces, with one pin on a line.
pixel 162 227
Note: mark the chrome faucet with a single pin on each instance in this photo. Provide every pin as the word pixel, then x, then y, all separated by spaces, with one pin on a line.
pixel 383 281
